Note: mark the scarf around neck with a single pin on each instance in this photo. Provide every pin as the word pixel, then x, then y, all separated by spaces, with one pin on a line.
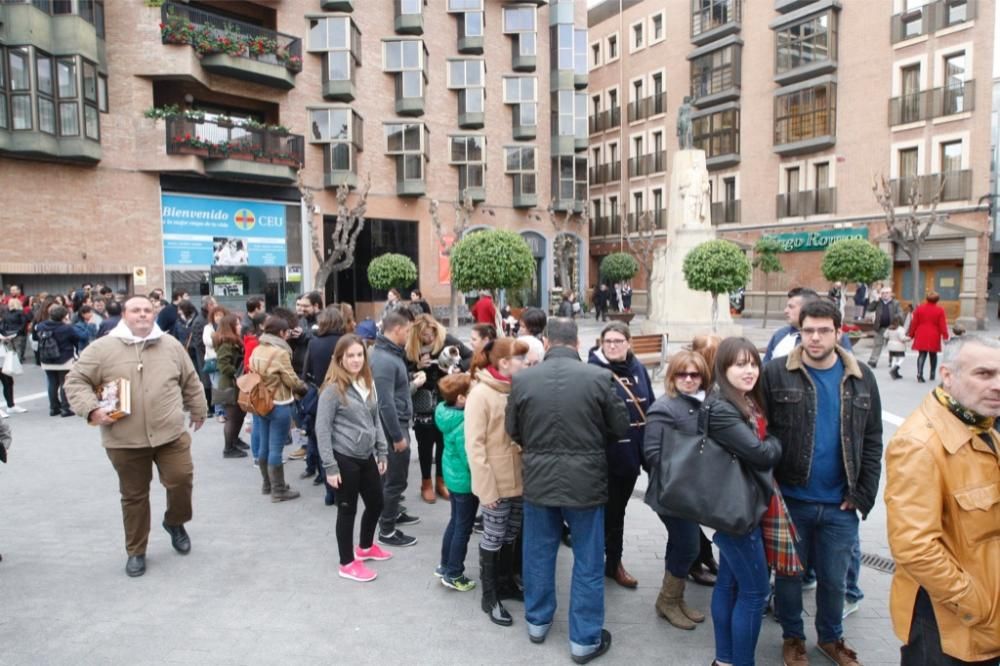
pixel 976 422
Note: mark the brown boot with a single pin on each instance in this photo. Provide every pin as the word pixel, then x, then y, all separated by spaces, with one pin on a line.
pixel 280 492
pixel 691 613
pixel 442 490
pixel 265 488
pixel 427 491
pixel 624 578
pixel 668 602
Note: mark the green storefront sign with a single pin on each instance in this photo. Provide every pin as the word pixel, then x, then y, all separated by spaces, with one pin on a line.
pixel 816 241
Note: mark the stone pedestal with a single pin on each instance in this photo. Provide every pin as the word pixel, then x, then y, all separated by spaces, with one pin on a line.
pixel 674 308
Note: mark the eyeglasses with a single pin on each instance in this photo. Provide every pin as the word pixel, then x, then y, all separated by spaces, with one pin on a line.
pixel 614 343
pixel 823 332
pixel 688 375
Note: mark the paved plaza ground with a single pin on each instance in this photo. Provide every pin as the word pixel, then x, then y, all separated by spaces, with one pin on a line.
pixel 260 584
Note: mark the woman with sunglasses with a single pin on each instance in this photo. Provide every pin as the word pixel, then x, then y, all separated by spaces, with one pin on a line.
pixel 678 409
pixel 634 388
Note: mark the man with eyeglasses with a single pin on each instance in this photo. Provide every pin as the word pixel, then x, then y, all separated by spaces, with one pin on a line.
pixel 825 408
pixel 787 338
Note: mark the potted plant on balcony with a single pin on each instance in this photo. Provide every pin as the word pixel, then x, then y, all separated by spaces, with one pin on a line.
pixel 177 30
pixel 224 121
pixel 284 158
pixel 258 46
pixel 292 62
pixel 189 144
pixel 238 150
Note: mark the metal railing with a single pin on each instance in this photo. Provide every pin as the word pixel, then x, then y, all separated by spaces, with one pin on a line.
pixel 208 33
pixel 931 17
pixel 91 11
pixel 214 140
pixel 726 212
pixel 932 103
pixel 953 185
pixel 646 107
pixel 807 202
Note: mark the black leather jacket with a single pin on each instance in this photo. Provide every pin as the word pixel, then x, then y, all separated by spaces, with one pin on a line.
pixel 791 412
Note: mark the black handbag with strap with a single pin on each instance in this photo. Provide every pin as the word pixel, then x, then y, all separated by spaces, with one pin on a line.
pixel 702 481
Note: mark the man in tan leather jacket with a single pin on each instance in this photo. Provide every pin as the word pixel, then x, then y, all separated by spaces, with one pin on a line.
pixel 164 385
pixel 942 496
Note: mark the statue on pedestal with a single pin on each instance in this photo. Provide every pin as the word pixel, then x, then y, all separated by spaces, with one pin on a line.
pixel 685 131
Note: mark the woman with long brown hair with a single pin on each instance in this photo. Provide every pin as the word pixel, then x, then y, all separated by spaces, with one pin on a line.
pixel 354 453
pixel 705 568
pixel 427 340
pixel 227 344
pixel 495 466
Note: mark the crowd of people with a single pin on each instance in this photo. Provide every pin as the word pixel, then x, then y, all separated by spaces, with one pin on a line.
pixel 533 443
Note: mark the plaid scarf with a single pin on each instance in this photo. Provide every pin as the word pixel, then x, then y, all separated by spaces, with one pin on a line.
pixel 977 423
pixel 780 537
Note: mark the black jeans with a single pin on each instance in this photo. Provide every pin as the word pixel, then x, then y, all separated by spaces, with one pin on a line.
pixel 924 646
pixel 430 447
pixel 394 483
pixel 8 388
pixel 619 492
pixel 357 477
pixel 921 357
pixel 57 397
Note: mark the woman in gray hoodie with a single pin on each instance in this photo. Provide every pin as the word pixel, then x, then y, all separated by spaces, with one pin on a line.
pixel 354 451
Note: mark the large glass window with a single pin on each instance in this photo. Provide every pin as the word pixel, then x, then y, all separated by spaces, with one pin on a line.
pixel 519 18
pixel 709 14
pixel 569 179
pixel 407 142
pixel 406 58
pixel 954 84
pixel 343 130
pixel 580 51
pixel 805 114
pixel 4 120
pixel 522 91
pixel 562 110
pixel 340 39
pixel 519 162
pixel 806 42
pixel 51 95
pixel 715 72
pixel 464 5
pixel 718 133
pixel 468 153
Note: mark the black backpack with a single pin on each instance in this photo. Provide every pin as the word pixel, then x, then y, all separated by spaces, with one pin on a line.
pixel 48 348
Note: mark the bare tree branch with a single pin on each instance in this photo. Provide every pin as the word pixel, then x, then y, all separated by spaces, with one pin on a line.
pixel 641 242
pixel 344 239
pixel 464 211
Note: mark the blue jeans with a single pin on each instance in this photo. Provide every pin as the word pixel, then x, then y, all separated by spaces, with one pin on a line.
pixel 543 527
pixel 271 433
pixel 853 592
pixel 683 545
pixel 740 596
pixel 455 544
pixel 830 534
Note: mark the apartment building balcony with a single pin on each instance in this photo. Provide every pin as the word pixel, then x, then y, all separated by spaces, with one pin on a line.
pixel 525 195
pixel 822 201
pixel 716 19
pixel 337 5
pixel 647 107
pixel 726 212
pixel 409 22
pixel 233 48
pixel 49 147
pixel 932 103
pixel 239 152
pixel 607 225
pixel 930 18
pixel 953 186
pixel 598 174
pixel 60 28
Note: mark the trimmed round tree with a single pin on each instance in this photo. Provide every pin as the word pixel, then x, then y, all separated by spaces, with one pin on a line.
pixel 391 271
pixel 491 259
pixel 856 260
pixel 718 267
pixel 619 267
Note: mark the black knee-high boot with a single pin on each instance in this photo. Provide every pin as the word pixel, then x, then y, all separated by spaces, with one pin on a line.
pixel 488 561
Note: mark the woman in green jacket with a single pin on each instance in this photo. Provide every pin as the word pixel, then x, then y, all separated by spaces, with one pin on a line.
pixel 228 345
pixel 449 416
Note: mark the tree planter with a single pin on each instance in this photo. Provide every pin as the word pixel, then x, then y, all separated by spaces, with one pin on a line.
pixel 624 317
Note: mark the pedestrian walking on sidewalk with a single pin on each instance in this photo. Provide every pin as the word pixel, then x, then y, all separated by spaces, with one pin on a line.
pixel 227 346
pixel 495 466
pixel 57 345
pixel 886 308
pixel 895 342
pixel 565 413
pixel 943 508
pixel 928 326
pixel 164 385
pixel 354 453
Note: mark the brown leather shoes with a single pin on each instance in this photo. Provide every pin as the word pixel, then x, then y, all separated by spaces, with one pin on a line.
pixel 839 653
pixel 623 577
pixel 793 652
pixel 427 491
pixel 441 488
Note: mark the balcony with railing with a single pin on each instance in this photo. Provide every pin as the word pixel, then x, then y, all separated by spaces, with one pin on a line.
pixel 233 48
pixel 238 151
pixel 606 225
pixel 822 201
pixel 932 103
pixel 952 185
pixel 726 212
pixel 598 174
pixel 646 107
pixel 930 17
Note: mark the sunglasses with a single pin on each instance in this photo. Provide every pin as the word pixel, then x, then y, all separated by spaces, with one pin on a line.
pixel 688 375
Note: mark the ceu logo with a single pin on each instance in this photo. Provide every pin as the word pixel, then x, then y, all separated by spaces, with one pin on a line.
pixel 245 219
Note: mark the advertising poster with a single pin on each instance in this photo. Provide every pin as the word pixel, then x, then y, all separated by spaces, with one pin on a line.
pixel 203 231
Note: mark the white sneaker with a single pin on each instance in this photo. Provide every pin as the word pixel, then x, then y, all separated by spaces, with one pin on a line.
pixel 16 410
pixel 851 607
pixel 3 414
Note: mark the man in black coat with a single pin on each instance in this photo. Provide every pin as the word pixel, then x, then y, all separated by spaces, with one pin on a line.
pixel 563 413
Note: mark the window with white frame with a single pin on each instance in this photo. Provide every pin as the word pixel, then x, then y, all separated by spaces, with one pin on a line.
pixel 521 21
pixel 408 143
pixel 409 7
pixel 343 131
pixel 522 91
pixel 657 31
pixel 612 47
pixel 63 93
pixel 469 77
pixel 339 38
pixel 471 23
pixel 468 153
pixel 580 51
pixel 519 162
pixel 595 55
pixel 569 179
pixel 637 34
pixel 407 58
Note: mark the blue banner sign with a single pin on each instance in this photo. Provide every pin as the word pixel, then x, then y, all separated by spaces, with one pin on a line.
pixel 201 231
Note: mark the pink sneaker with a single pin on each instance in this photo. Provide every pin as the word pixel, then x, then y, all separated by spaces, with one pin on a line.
pixel 373 553
pixel 357 570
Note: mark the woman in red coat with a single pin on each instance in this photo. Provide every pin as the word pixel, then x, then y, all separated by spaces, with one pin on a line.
pixel 928 326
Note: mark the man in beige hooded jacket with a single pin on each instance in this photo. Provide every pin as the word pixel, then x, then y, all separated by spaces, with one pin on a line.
pixel 164 384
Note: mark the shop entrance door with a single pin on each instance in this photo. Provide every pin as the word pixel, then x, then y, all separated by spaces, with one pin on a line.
pixel 944 277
